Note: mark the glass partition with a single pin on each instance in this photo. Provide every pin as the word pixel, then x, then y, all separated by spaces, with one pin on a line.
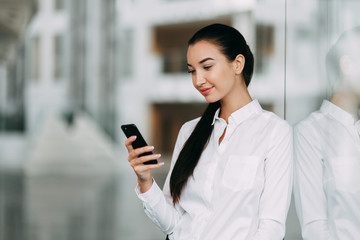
pixel 313 28
pixel 323 97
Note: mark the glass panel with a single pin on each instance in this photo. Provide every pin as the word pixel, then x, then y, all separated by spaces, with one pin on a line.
pixel 323 100
pixel 268 45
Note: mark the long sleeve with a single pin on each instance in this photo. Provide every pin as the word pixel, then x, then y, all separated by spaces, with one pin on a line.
pixel 276 196
pixel 158 204
pixel 310 198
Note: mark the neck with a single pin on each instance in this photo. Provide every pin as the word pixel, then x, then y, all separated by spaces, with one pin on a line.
pixel 230 105
pixel 346 101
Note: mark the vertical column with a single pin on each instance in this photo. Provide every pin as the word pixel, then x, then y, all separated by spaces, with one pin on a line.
pixel 77 85
pixel 3 88
pixel 244 23
pixel 107 66
pixel 142 81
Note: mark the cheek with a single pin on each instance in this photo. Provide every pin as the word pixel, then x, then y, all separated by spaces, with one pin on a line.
pixel 217 75
pixel 228 79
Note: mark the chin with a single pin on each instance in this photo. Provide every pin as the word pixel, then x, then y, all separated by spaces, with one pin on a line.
pixel 211 99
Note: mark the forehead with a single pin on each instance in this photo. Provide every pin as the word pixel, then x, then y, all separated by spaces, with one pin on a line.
pixel 203 49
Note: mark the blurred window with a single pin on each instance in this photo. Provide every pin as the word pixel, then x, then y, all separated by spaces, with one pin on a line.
pixel 175 60
pixel 59 57
pixel 167 119
pixel 171 45
pixel 264 46
pixel 35 58
pixel 59 5
pixel 170 42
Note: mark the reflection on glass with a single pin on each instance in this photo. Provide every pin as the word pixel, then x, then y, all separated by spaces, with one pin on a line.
pixel 327 151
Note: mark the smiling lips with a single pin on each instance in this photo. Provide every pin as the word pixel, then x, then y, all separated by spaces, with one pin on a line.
pixel 205 91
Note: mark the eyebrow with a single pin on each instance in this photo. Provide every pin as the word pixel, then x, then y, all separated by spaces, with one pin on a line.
pixel 202 61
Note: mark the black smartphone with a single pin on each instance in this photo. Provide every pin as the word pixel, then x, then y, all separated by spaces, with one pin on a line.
pixel 132 130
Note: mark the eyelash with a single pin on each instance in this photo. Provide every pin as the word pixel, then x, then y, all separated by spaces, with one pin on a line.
pixel 205 67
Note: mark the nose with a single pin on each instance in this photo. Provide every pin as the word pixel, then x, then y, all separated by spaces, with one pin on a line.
pixel 199 79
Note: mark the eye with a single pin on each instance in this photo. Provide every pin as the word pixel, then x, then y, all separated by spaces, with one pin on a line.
pixel 207 67
pixel 191 71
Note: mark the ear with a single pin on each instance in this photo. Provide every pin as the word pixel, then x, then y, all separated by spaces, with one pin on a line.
pixel 239 63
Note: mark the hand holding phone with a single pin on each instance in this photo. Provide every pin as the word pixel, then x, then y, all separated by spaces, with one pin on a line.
pixel 132 130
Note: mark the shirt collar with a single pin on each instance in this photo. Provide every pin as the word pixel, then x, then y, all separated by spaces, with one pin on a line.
pixel 242 113
pixel 338 113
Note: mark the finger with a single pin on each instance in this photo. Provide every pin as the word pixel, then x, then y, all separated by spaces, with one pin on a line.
pixel 138 151
pixel 128 143
pixel 143 159
pixel 144 168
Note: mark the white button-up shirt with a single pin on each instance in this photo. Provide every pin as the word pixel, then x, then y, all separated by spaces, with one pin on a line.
pixel 240 189
pixel 327 174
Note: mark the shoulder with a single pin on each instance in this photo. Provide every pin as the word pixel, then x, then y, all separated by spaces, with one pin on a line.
pixel 185 132
pixel 188 127
pixel 308 135
pixel 276 122
pixel 309 123
pixel 276 132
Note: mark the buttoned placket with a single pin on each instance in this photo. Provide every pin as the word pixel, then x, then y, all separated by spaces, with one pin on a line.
pixel 219 127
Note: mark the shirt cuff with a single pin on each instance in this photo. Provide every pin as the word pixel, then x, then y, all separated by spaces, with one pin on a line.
pixel 151 197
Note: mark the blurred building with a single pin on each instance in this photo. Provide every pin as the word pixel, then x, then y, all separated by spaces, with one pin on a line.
pixel 124 61
pixel 14 18
pixel 58 175
pixel 71 55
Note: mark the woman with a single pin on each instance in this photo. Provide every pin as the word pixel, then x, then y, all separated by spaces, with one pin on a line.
pixel 327 151
pixel 231 171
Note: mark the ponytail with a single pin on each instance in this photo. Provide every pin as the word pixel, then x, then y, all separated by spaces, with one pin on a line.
pixel 191 152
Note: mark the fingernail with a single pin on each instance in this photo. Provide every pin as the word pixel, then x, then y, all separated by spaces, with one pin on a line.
pixel 150 148
pixel 134 137
pixel 161 163
pixel 157 155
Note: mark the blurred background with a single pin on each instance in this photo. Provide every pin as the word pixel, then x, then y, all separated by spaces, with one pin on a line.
pixel 73 71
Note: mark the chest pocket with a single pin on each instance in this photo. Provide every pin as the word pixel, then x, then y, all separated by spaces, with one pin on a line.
pixel 240 172
pixel 346 172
